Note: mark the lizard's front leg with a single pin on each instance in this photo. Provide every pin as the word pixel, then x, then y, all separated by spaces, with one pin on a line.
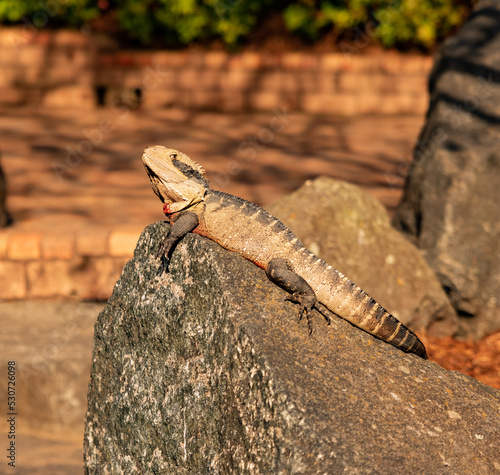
pixel 280 272
pixel 185 223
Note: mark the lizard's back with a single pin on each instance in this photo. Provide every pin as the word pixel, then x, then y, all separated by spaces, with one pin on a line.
pixel 247 229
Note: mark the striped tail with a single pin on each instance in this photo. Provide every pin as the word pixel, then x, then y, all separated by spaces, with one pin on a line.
pixel 348 301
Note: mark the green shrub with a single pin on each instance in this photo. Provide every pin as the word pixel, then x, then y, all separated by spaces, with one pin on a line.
pixel 177 22
pixel 391 22
pixel 183 21
pixel 42 12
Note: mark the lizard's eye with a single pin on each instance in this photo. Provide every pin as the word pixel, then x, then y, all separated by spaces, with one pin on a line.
pixel 173 156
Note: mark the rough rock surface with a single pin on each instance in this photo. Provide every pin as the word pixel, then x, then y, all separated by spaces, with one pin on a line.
pixel 349 229
pixel 205 370
pixel 450 206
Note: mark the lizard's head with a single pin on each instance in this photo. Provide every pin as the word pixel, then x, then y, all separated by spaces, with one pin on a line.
pixel 175 178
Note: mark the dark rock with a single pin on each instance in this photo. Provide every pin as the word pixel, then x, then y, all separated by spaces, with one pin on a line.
pixel 350 229
pixel 450 208
pixel 205 370
pixel 5 218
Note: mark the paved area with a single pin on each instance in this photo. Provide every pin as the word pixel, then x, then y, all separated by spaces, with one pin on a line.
pixel 51 344
pixel 70 171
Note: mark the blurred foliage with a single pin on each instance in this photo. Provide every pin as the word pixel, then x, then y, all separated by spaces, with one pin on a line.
pixel 391 22
pixel 175 22
pixel 40 13
pixel 189 20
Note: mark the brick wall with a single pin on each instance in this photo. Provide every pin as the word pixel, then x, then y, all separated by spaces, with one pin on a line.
pixel 41 265
pixel 71 69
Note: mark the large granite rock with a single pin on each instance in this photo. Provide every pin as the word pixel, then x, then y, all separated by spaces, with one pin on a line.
pixel 348 228
pixel 450 208
pixel 205 370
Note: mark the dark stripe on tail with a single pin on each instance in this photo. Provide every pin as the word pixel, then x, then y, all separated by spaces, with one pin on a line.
pixel 371 317
pixel 407 341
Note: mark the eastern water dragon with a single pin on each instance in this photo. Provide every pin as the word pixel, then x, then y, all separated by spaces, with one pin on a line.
pixel 245 228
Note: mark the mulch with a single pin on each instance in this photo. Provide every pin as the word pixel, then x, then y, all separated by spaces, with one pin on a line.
pixel 478 359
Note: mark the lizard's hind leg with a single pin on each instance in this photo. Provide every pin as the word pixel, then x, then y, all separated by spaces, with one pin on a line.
pixel 280 272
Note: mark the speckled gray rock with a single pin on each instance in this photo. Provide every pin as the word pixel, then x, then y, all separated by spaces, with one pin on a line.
pixel 348 228
pixel 205 370
pixel 450 208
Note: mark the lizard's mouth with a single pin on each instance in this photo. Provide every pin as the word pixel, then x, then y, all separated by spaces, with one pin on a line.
pixel 157 185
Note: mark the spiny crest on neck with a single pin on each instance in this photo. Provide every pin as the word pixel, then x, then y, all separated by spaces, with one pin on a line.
pixel 182 161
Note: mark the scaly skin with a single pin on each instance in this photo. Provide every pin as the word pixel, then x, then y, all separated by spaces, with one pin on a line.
pixel 245 228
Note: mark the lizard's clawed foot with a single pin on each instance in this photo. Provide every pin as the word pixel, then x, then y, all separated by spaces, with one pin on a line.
pixel 163 254
pixel 164 261
pixel 165 248
pixel 306 303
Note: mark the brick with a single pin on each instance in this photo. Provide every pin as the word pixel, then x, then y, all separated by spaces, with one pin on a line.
pixel 159 98
pixel 12 280
pixel 271 81
pixel 202 99
pixel 308 81
pixel 335 62
pixel 92 243
pixel 9 77
pixel 264 100
pixel 327 82
pixel 33 75
pixel 416 65
pixel 12 96
pixel 310 62
pixel 4 240
pixel 168 60
pixel 68 38
pixel 134 78
pixel 248 60
pixel 105 272
pixel 122 243
pixel 142 59
pixel 83 277
pixel 355 82
pixel 406 104
pixel 57 278
pixel 236 79
pixel 70 96
pixel 31 55
pixel 292 60
pixel 10 56
pixel 343 105
pixel 41 37
pixel 233 101
pixel 410 84
pixel 58 246
pixel 370 103
pixel 189 78
pixel 13 37
pixel 60 75
pixel 215 59
pixel 24 246
pixel 195 60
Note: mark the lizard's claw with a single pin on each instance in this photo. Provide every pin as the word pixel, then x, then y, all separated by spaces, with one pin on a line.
pixel 306 303
pixel 165 248
pixel 322 312
pixel 163 254
pixel 164 261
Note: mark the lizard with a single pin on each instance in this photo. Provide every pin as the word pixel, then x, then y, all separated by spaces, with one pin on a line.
pixel 243 227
